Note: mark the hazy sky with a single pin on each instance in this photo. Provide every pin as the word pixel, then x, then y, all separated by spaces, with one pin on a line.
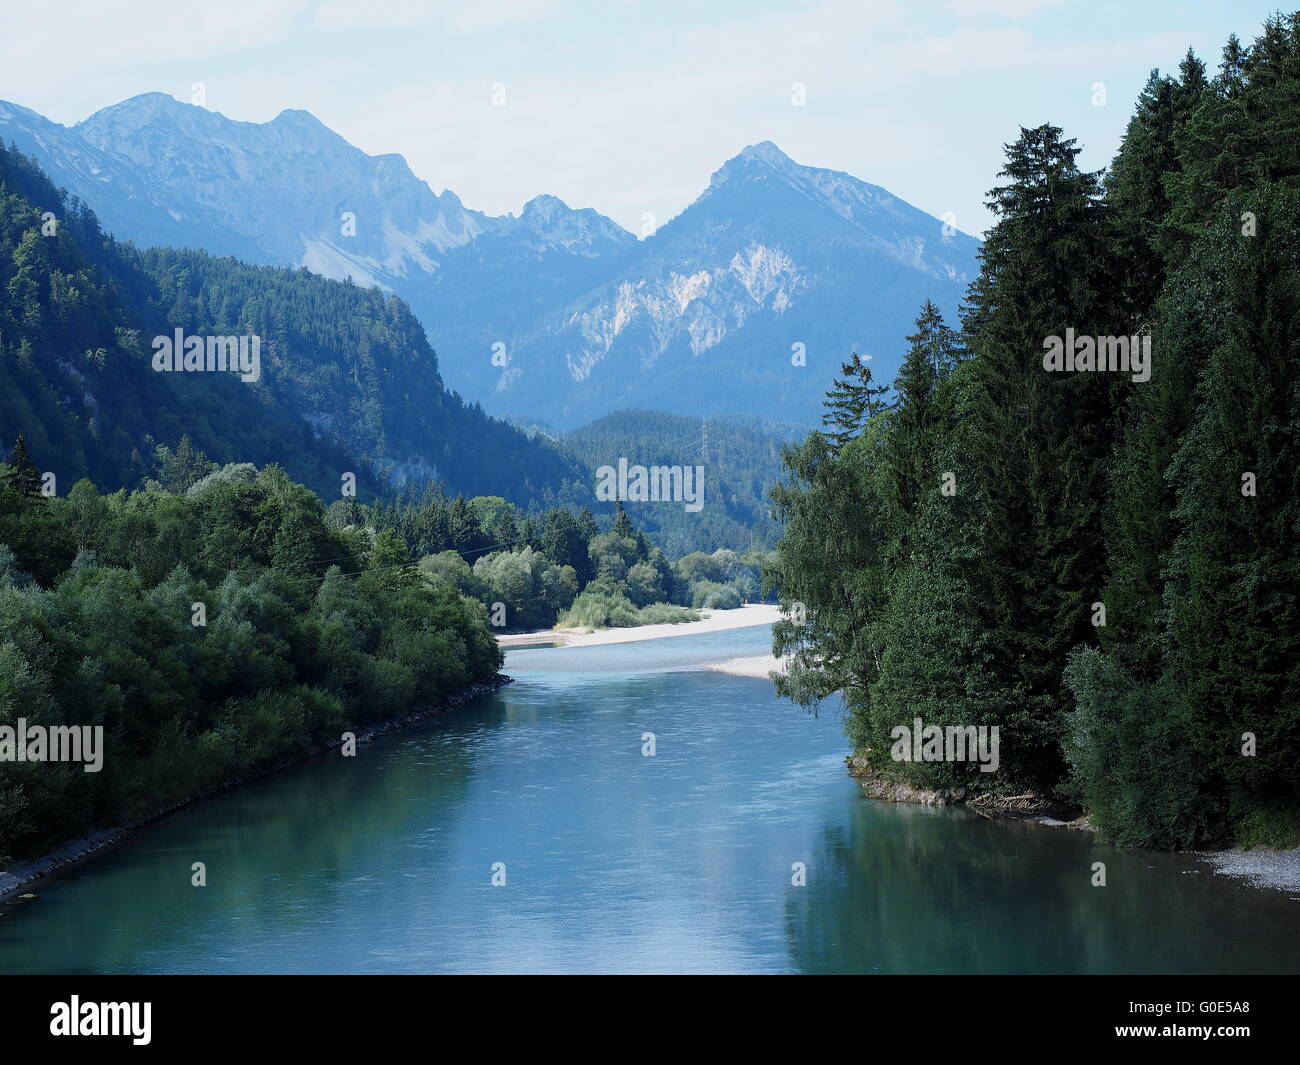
pixel 629 107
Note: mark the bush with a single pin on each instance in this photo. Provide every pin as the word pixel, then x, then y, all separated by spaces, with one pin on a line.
pixel 600 608
pixel 665 614
pixel 710 595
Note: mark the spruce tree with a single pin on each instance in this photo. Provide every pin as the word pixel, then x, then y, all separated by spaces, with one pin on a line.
pixel 933 350
pixel 21 473
pixel 852 400
pixel 1040 439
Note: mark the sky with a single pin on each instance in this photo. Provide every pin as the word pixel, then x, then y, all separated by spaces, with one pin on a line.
pixel 629 107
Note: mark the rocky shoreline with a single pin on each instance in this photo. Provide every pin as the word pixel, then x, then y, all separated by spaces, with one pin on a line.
pixel 1027 807
pixel 22 875
pixel 1259 866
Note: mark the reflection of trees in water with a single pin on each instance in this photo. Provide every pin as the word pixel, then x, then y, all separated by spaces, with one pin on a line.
pixel 915 889
pixel 258 843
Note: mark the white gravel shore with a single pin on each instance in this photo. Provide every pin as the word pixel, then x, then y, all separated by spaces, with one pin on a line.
pixel 755 666
pixel 713 621
pixel 1261 866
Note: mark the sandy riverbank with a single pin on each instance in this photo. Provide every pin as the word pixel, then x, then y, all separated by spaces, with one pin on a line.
pixel 755 666
pixel 713 621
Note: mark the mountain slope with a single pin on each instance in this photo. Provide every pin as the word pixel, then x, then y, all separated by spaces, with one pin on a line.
pixel 741 462
pixel 348 381
pixel 706 319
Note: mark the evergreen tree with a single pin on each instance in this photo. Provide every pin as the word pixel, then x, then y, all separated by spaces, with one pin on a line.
pixel 21 473
pixel 624 528
pixel 180 469
pixel 933 351
pixel 851 401
pixel 463 531
pixel 1040 438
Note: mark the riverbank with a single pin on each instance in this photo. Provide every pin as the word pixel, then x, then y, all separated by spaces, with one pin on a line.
pixel 19 877
pixel 1027 807
pixel 1259 866
pixel 713 621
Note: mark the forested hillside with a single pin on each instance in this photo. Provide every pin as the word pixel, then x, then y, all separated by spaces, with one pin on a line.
pixel 1102 564
pixel 741 460
pixel 348 380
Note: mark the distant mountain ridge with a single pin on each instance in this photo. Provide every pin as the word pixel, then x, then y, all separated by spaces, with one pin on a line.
pixel 556 314
pixel 347 381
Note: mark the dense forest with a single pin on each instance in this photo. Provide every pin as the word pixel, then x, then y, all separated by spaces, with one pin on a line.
pixel 741 460
pixel 1101 564
pixel 349 383
pixel 559 566
pixel 210 632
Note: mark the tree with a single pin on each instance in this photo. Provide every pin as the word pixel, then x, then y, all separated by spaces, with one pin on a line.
pixel 933 352
pixel 389 562
pixel 851 401
pixel 564 544
pixel 21 473
pixel 1038 440
pixel 181 469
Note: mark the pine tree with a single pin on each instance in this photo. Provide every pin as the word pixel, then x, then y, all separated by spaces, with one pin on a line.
pixel 622 523
pixel 507 528
pixel 1136 190
pixel 1039 439
pixel 21 473
pixel 1233 642
pixel 179 470
pixel 463 531
pixel 933 351
pixel 851 401
pixel 623 527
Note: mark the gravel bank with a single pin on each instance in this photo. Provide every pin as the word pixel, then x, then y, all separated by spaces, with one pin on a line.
pixel 713 621
pixel 1261 866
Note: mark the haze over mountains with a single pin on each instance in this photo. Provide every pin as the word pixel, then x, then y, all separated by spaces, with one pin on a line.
pixel 701 317
pixel 346 382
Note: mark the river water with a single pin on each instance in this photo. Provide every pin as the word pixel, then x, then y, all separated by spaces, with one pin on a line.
pixel 615 861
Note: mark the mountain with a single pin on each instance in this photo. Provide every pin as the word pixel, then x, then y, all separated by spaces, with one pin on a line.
pixel 702 317
pixel 708 316
pixel 347 381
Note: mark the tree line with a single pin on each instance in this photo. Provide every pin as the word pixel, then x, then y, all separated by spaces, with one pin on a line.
pixel 211 631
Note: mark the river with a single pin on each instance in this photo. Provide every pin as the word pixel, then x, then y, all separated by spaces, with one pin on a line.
pixel 615 861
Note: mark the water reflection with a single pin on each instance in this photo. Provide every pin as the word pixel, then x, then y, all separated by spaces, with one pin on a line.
pixel 617 862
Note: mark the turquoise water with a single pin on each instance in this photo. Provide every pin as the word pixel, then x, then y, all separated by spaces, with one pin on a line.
pixel 618 862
